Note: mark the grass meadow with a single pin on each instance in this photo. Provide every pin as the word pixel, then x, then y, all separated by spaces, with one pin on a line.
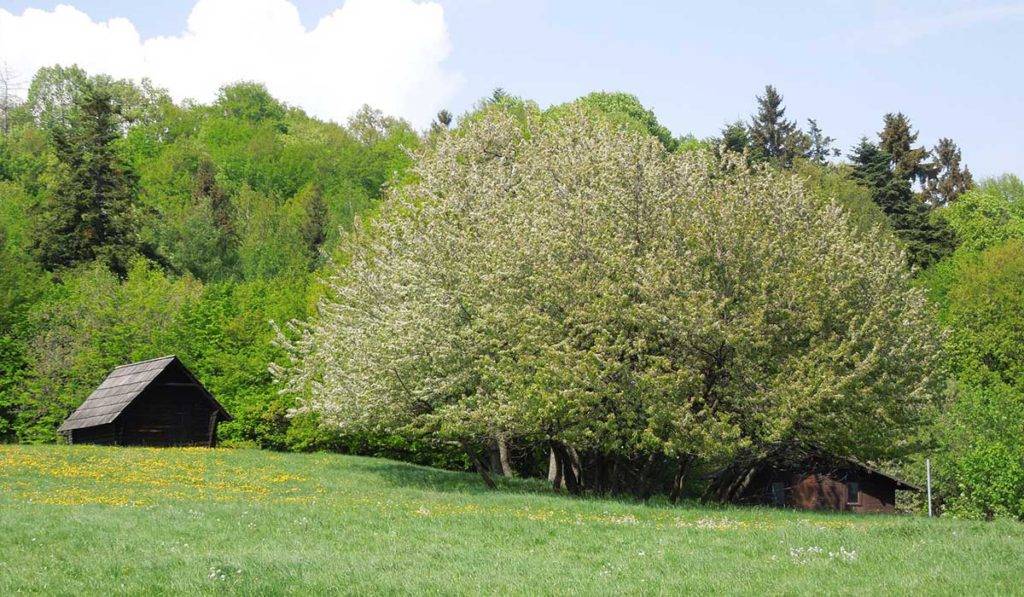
pixel 90 520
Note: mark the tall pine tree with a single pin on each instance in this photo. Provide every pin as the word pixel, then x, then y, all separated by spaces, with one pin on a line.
pixel 771 135
pixel 927 240
pixel 820 145
pixel 90 212
pixel 897 139
pixel 947 179
pixel 735 137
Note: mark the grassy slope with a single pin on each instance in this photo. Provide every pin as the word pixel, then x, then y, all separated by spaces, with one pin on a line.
pixel 86 520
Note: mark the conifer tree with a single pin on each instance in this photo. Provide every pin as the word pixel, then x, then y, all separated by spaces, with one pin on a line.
pixel 442 122
pixel 444 118
pixel 926 239
pixel 313 225
pixel 214 200
pixel 89 213
pixel 947 179
pixel 897 140
pixel 820 145
pixel 771 135
pixel 735 137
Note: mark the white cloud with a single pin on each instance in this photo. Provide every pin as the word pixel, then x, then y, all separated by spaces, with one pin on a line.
pixel 388 53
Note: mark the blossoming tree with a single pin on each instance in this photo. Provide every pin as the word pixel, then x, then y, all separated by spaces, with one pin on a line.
pixel 564 282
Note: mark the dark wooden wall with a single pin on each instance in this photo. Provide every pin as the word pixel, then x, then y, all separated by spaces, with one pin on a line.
pixel 171 412
pixel 167 416
pixel 825 490
pixel 102 434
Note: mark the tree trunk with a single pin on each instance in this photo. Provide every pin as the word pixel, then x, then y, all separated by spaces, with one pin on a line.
pixel 494 457
pixel 679 482
pixel 645 488
pixel 737 486
pixel 568 467
pixel 504 457
pixel 478 464
pixel 745 483
pixel 554 470
pixel 577 464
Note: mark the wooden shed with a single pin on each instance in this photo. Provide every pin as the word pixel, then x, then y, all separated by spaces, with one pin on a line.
pixel 150 403
pixel 821 482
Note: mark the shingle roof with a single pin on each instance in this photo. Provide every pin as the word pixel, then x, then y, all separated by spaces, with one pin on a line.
pixel 119 389
pixel 900 483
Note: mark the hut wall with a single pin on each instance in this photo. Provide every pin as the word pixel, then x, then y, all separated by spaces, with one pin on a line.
pixel 101 434
pixel 816 492
pixel 825 491
pixel 876 495
pixel 168 416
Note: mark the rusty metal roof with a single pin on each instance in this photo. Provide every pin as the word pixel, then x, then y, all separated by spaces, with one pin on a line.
pixel 124 384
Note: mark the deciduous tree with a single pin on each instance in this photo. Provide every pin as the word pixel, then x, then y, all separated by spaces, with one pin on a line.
pixel 571 285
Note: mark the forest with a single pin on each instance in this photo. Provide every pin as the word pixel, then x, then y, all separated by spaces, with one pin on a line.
pixel 572 291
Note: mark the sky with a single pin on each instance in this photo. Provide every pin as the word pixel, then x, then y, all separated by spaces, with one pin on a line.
pixel 953 66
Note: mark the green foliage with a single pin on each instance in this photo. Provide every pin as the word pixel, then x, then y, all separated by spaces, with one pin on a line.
pixel 926 236
pixel 772 137
pixel 87 325
pixel 270 242
pixel 21 284
pixel 837 183
pixel 981 291
pixel 53 94
pixel 626 110
pixel 224 337
pixel 691 143
pixel 250 102
pixel 90 213
pixel 982 468
pixel 735 137
pixel 986 308
pixel 576 285
pixel 234 207
pixel 988 215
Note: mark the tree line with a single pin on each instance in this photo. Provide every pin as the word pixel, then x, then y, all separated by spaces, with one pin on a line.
pixel 571 292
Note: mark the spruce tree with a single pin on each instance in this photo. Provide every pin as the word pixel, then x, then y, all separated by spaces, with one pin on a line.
pixel 897 139
pixel 926 238
pixel 947 179
pixel 89 213
pixel 735 137
pixel 313 226
pixel 442 122
pixel 771 135
pixel 206 192
pixel 820 145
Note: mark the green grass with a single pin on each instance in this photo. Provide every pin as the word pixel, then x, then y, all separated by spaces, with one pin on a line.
pixel 88 520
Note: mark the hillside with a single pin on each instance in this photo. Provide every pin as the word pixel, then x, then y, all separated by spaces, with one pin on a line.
pixel 90 520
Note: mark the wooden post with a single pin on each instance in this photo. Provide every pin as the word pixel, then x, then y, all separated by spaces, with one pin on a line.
pixel 928 474
pixel 211 439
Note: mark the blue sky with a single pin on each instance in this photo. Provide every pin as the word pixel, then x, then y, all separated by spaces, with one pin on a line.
pixel 954 67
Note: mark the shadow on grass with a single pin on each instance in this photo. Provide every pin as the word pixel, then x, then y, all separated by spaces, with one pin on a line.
pixel 405 475
pixel 401 474
pixel 412 476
